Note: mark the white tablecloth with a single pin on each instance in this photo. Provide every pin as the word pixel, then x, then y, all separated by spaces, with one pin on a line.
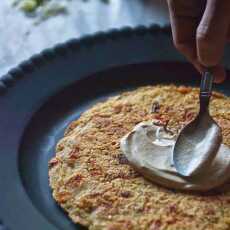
pixel 20 38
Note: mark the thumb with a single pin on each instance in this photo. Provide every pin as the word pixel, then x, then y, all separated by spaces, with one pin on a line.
pixel 211 34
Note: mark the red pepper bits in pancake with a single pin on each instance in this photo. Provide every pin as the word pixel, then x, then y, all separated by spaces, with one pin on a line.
pixel 96 186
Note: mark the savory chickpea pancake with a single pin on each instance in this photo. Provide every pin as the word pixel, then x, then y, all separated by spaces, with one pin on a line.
pixel 94 183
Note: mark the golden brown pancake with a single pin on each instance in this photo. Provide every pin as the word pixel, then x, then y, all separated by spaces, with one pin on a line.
pixel 93 182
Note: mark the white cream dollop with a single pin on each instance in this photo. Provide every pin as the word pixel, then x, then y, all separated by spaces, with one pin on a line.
pixel 149 149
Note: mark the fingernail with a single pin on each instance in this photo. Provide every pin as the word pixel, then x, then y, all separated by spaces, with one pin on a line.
pixel 219 73
pixel 199 67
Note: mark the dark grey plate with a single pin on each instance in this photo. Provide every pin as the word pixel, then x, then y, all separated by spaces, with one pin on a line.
pixel 40 97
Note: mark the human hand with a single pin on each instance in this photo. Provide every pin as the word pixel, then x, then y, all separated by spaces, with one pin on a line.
pixel 200 31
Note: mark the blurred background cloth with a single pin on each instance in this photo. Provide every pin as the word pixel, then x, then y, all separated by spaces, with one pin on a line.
pixel 20 37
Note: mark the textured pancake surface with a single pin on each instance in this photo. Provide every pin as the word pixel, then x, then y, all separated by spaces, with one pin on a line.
pixel 93 182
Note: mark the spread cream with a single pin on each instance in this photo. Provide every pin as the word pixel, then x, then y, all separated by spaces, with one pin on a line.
pixel 149 149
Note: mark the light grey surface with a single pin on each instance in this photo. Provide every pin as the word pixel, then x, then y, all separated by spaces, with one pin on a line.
pixel 20 38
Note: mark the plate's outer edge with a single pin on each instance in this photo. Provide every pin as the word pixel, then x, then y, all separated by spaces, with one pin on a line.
pixel 16 210
pixel 42 58
pixel 12 216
